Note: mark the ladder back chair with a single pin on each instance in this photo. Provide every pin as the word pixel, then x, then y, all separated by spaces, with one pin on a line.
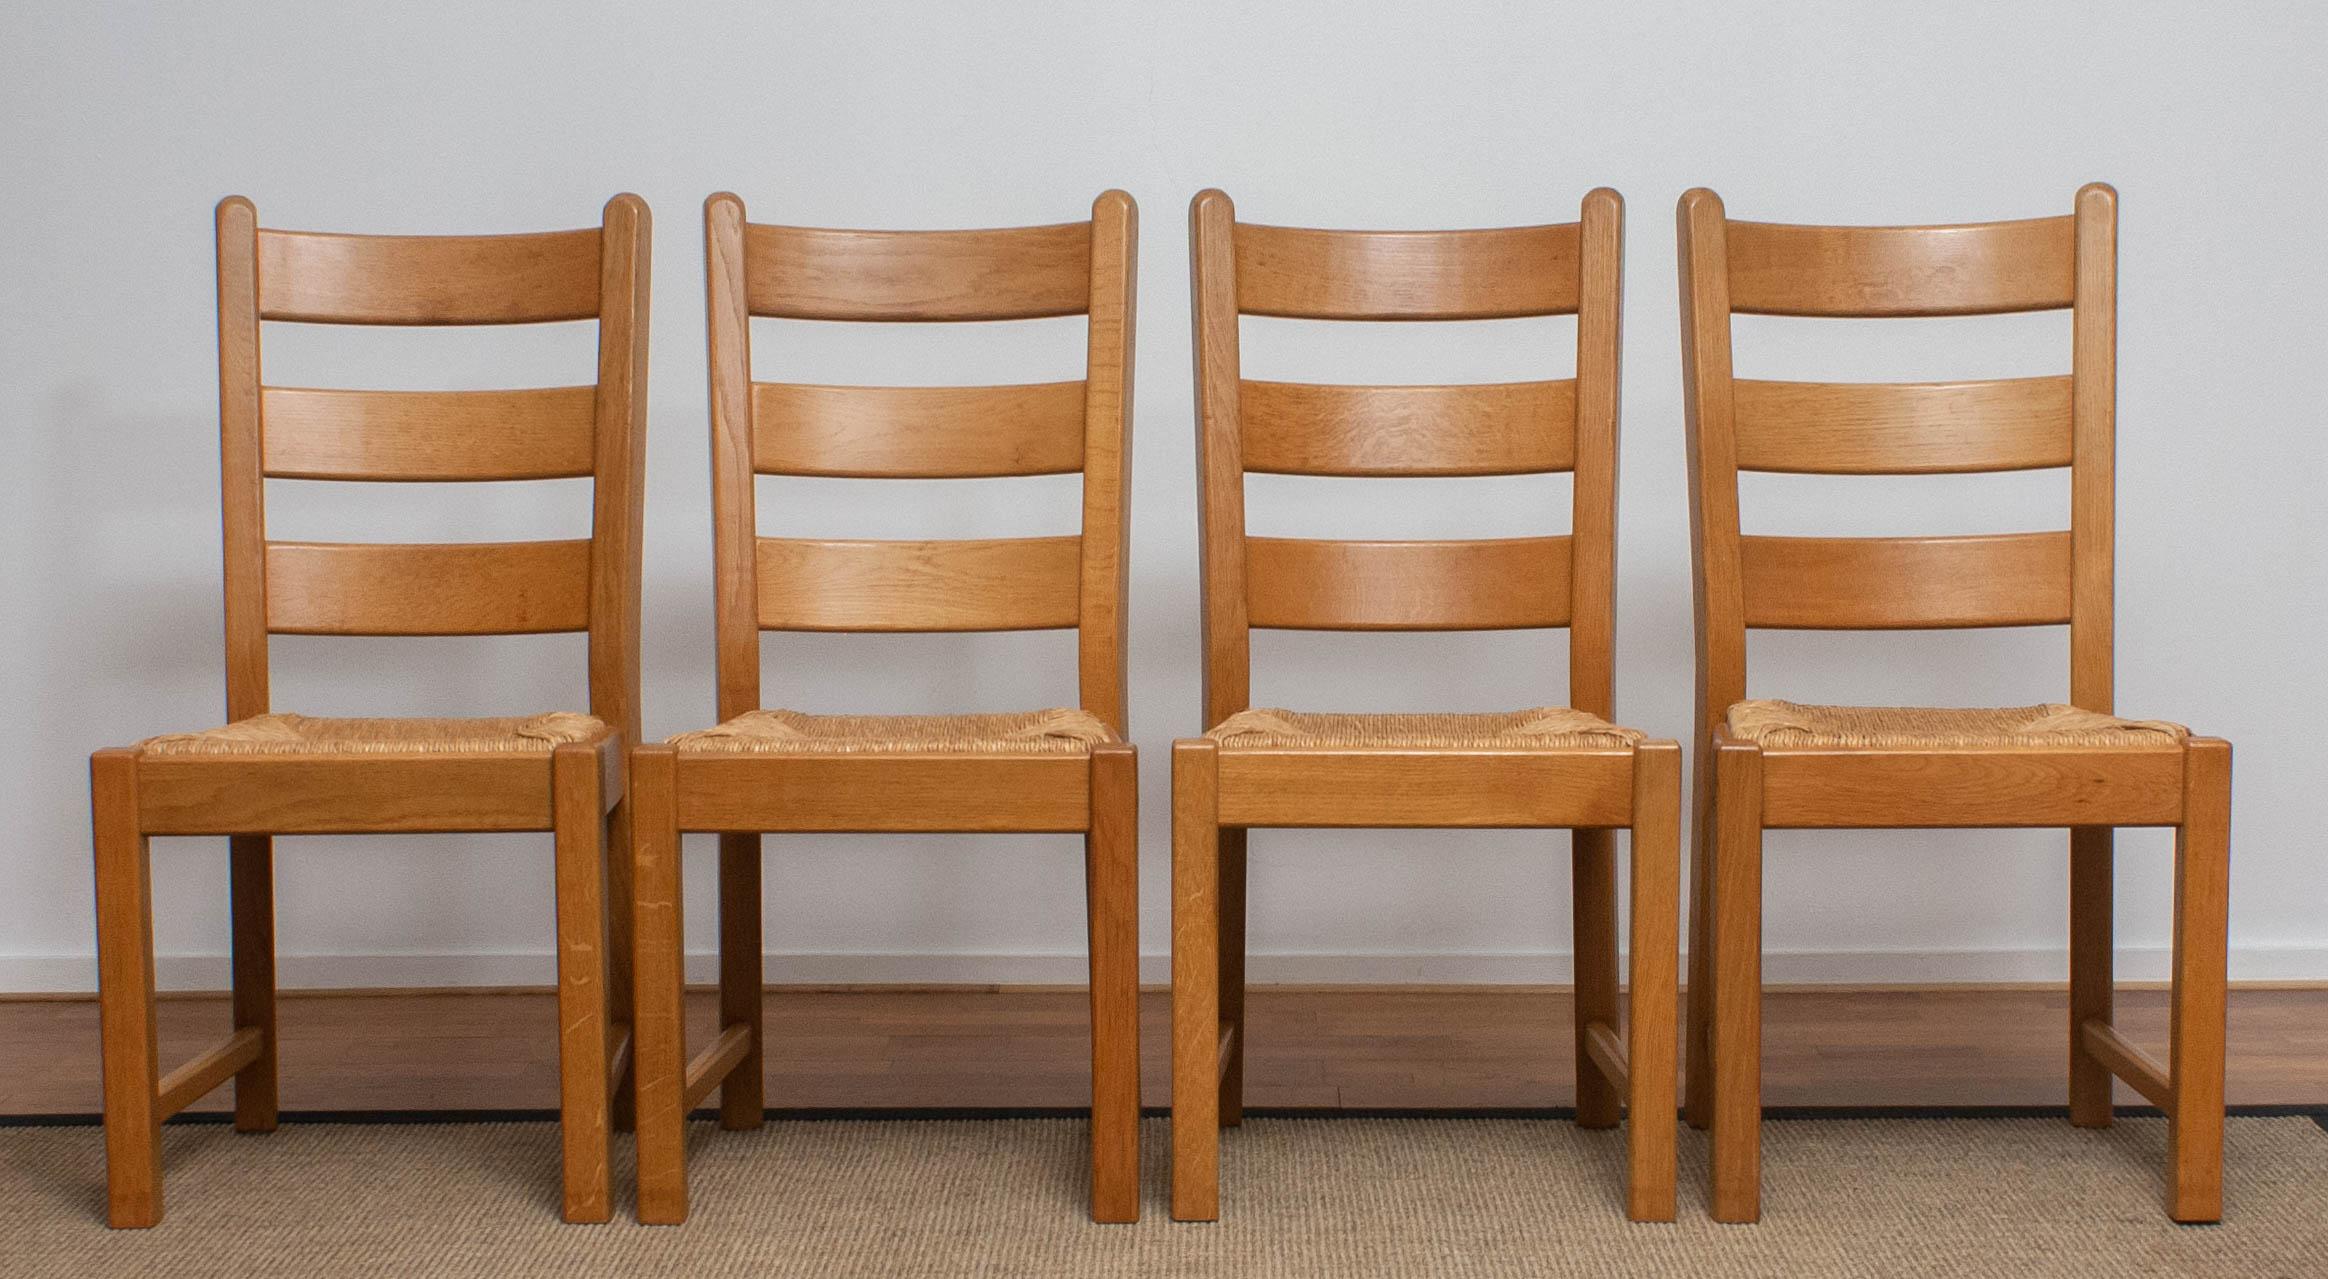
pixel 1068 770
pixel 1775 764
pixel 1548 767
pixel 267 773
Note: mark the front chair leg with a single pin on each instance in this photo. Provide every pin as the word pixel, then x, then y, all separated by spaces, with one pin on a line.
pixel 2202 890
pixel 125 993
pixel 1196 1022
pixel 1656 921
pixel 1736 925
pixel 583 1103
pixel 1111 876
pixel 659 1031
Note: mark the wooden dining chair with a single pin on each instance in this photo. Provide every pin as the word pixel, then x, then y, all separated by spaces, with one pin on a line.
pixel 1547 767
pixel 268 773
pixel 1068 770
pixel 1775 764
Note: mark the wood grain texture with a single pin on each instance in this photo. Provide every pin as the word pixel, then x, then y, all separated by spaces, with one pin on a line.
pixel 1487 428
pixel 319 434
pixel 1972 788
pixel 1493 273
pixel 1220 473
pixel 734 507
pixel 1592 614
pixel 1482 584
pixel 917 432
pixel 125 993
pixel 446 588
pixel 1653 982
pixel 1979 269
pixel 584 1034
pixel 1014 273
pixel 1895 583
pixel 887 792
pixel 1104 607
pixel 1196 1024
pixel 1734 1164
pixel 1425 788
pixel 659 1026
pixel 1111 878
pixel 344 795
pixel 2093 515
pixel 324 278
pixel 2202 902
pixel 989 584
pixel 1902 428
pixel 242 484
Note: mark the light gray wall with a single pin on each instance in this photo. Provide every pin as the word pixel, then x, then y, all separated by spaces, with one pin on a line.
pixel 125 122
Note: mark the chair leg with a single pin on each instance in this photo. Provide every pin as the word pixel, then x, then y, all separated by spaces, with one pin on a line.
pixel 583 1102
pixel 1232 970
pixel 2202 890
pixel 1736 924
pixel 743 1093
pixel 125 991
pixel 1698 1069
pixel 1656 852
pixel 1111 877
pixel 2090 970
pixel 251 860
pixel 1196 1024
pixel 618 950
pixel 659 1028
pixel 1594 914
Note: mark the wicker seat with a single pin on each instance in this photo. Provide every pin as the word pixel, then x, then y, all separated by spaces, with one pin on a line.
pixel 1792 724
pixel 286 734
pixel 1061 731
pixel 1540 728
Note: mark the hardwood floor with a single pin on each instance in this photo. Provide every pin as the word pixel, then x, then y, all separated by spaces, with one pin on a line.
pixel 1327 1047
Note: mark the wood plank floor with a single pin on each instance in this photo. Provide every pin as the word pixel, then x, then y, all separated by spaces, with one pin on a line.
pixel 1343 1047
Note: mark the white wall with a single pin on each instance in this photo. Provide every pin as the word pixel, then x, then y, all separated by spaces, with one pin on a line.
pixel 125 122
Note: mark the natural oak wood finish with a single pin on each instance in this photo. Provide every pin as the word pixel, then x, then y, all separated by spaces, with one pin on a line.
pixel 378 589
pixel 1220 791
pixel 1081 268
pixel 2017 579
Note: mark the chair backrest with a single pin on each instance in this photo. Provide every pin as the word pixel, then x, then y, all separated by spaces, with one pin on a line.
pixel 897 432
pixel 1835 428
pixel 280 432
pixel 1509 428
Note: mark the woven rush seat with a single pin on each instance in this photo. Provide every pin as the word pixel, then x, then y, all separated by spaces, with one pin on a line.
pixel 1058 731
pixel 288 734
pixel 1540 728
pixel 1783 724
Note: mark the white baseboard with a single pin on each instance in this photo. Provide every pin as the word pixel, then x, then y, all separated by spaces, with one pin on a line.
pixel 49 974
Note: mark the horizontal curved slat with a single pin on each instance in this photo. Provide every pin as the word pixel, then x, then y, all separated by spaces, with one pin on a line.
pixel 467 588
pixel 997 584
pixel 917 432
pixel 428 279
pixel 1984 268
pixel 539 434
pixel 1486 584
pixel 1496 428
pixel 1910 428
pixel 1485 274
pixel 1905 583
pixel 1012 273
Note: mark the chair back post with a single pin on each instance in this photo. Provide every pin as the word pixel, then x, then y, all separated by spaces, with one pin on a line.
pixel 2093 452
pixel 1220 465
pixel 242 478
pixel 1716 596
pixel 618 463
pixel 1103 632
pixel 1593 519
pixel 734 518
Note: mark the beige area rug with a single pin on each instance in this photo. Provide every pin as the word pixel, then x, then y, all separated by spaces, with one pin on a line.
pixel 1341 1197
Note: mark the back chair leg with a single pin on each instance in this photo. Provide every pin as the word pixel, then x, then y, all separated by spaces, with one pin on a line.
pixel 251 862
pixel 583 1085
pixel 1698 1069
pixel 743 1093
pixel 1736 924
pixel 2091 893
pixel 659 1029
pixel 125 988
pixel 1656 853
pixel 619 979
pixel 1594 913
pixel 1196 1022
pixel 1232 970
pixel 1111 876
pixel 2202 884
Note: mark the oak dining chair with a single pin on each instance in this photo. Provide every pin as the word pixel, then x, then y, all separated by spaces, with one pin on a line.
pixel 268 773
pixel 1776 764
pixel 1066 770
pixel 1549 767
